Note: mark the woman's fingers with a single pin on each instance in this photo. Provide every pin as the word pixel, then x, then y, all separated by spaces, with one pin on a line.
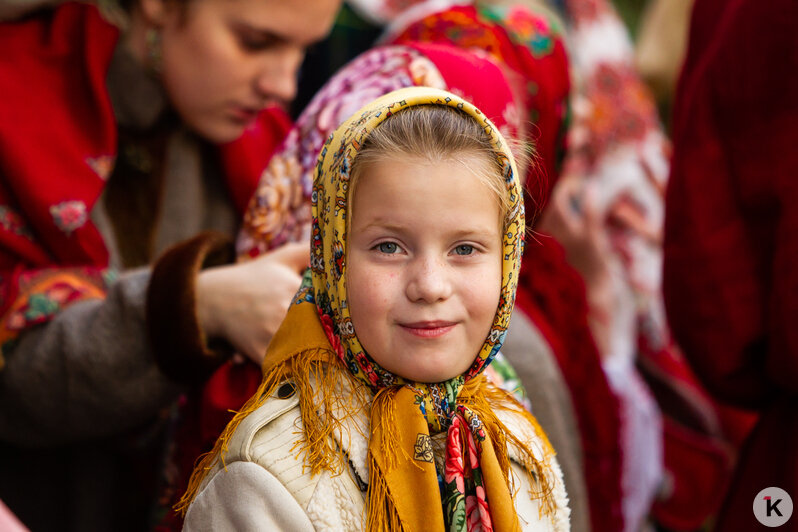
pixel 294 255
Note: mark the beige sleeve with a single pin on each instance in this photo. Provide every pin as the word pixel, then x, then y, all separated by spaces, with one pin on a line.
pixel 245 497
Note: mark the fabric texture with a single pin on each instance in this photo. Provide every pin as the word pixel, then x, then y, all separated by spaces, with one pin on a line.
pixel 404 488
pixel 730 277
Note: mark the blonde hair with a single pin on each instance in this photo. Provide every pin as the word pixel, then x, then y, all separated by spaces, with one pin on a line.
pixel 434 133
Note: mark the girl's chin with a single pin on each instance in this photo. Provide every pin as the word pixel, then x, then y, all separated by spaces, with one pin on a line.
pixel 433 375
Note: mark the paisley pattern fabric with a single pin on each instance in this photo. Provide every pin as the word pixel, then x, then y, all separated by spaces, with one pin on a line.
pixel 530 46
pixel 437 403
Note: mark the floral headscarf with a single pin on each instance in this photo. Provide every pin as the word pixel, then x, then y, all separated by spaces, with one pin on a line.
pixel 405 491
pixel 329 210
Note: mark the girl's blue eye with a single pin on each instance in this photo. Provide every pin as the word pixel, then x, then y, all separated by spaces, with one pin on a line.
pixel 464 249
pixel 388 247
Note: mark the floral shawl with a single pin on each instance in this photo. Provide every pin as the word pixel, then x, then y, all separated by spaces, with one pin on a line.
pixel 405 491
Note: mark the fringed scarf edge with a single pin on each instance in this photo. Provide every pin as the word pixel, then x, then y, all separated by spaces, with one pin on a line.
pixel 317 375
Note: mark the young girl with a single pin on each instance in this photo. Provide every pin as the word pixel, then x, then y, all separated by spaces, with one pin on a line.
pixel 373 412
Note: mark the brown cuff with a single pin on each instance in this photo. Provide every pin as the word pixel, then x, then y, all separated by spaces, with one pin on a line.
pixel 180 346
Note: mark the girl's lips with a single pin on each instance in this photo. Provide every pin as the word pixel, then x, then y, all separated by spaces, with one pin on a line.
pixel 428 329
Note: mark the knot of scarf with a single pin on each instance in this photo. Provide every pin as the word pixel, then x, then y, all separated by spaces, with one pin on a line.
pixel 438 402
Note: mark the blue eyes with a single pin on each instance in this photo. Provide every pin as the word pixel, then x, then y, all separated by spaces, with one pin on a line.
pixel 463 250
pixel 391 248
pixel 388 247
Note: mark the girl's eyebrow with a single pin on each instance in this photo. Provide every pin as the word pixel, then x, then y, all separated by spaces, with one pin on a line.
pixel 385 225
pixel 473 232
pixel 458 233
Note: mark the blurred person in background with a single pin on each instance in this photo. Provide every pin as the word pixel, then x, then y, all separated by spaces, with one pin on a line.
pixel 118 141
pixel 730 276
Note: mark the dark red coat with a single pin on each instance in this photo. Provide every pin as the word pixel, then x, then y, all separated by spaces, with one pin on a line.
pixel 731 230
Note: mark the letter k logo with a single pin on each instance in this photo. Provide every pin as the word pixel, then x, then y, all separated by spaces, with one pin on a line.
pixel 773 506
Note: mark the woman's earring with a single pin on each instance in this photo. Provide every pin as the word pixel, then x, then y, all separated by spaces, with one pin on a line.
pixel 154 50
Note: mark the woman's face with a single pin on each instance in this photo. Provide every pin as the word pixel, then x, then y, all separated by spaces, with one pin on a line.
pixel 225 60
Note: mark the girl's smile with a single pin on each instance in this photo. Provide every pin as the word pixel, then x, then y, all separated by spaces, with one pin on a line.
pixel 428 329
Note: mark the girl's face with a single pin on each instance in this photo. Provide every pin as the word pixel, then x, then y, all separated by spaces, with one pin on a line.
pixel 223 61
pixel 424 266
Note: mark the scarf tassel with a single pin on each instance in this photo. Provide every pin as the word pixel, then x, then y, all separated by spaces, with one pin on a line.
pixel 382 513
pixel 317 390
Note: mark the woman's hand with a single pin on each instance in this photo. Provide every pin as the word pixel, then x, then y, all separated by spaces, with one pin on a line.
pixel 245 303
pixel 573 218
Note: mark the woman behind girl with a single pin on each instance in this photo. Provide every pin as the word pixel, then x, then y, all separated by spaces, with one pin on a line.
pixel 116 144
pixel 376 372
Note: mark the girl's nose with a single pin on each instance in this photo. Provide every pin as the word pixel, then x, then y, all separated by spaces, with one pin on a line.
pixel 428 281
